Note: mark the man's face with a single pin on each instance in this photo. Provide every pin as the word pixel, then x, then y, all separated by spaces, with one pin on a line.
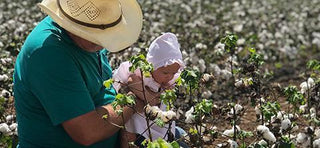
pixel 84 44
pixel 89 46
pixel 164 74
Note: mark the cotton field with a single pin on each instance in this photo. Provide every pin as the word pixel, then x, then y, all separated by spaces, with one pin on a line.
pixel 252 76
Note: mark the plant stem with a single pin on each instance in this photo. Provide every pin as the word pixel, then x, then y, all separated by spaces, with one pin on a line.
pixel 233 100
pixel 124 128
pixel 145 103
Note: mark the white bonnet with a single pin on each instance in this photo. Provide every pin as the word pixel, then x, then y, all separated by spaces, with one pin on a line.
pixel 165 50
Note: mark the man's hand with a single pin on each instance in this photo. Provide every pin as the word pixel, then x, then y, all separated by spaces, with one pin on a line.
pixel 135 86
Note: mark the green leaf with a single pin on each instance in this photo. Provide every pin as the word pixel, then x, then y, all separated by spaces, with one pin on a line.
pixel 159 122
pixel 175 144
pixel 168 97
pixel 105 116
pixel 140 62
pixel 108 83
pixel 193 131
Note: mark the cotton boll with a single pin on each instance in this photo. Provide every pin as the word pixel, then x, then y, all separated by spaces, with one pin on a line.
pixel 316 143
pixel 206 138
pixel 280 115
pixel 257 110
pixel 238 108
pixel 5 93
pixel 219 46
pixel 5 61
pixel 201 46
pixel 285 124
pixel 207 77
pixel 15 132
pixel 311 82
pixel 266 134
pixel 230 132
pixel 4 128
pixel 263 143
pixel 238 28
pixel 312 110
pixel 288 116
pixel 305 85
pixel 302 138
pixel 238 83
pixel 153 111
pixel 303 108
pixel 233 144
pixel 295 128
pixel 262 128
pixel 9 118
pixel 225 74
pixel 4 77
pixel 215 69
pixel 179 113
pixel 269 136
pixel 241 41
pixel 167 116
pixel 262 100
pixel 189 116
pixel 317 133
pixel 202 65
pixel 13 126
pixel 206 94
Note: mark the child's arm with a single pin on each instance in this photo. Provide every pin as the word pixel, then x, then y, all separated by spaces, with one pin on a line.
pixel 121 75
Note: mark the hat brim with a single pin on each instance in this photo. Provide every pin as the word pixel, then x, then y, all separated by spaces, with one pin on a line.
pixel 114 39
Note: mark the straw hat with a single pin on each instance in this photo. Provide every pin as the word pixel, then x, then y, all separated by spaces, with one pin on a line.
pixel 113 24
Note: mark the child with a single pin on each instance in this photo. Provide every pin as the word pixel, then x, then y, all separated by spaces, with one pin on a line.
pixel 165 55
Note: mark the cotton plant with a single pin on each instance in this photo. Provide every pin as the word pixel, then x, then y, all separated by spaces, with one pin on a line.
pixel 230 44
pixel 254 78
pixel 270 110
pixel 242 135
pixel 195 116
pixel 294 97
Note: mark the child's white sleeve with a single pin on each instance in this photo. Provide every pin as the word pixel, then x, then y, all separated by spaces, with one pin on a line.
pixel 121 75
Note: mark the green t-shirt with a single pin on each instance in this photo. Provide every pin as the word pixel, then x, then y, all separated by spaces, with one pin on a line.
pixel 55 81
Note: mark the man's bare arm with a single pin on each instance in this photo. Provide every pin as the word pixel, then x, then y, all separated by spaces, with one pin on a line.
pixel 90 128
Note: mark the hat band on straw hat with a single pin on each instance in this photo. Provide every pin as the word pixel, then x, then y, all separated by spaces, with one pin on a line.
pixel 100 26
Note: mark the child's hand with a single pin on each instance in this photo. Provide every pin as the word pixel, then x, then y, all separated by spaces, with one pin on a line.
pixel 135 86
pixel 135 83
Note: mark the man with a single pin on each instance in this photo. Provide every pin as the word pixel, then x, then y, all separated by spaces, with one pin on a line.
pixel 58 90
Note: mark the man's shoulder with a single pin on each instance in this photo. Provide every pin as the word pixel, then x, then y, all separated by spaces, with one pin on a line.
pixel 46 32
